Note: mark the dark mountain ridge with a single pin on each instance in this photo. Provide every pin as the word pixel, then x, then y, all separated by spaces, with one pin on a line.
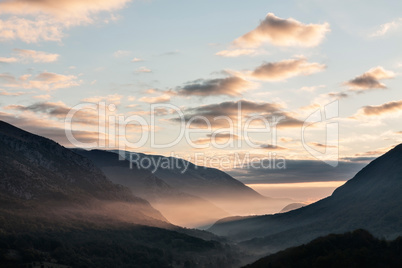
pixel 57 206
pixel 370 200
pixel 353 249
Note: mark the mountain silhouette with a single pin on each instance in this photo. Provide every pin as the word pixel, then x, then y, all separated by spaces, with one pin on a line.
pixel 57 206
pixel 353 249
pixel 178 207
pixel 370 200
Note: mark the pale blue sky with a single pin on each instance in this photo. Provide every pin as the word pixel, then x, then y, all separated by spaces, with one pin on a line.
pixel 178 40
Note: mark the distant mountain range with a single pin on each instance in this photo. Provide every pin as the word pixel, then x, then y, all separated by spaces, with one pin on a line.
pixel 370 200
pixel 57 206
pixel 89 209
pixel 179 207
pixel 192 196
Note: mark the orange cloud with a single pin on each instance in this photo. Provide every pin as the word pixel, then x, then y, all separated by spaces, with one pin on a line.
pixel 143 69
pixel 36 56
pixel 237 52
pixel 80 9
pixel 272 147
pixel 218 115
pixel 30 31
pixel 388 107
pixel 370 79
pixel 49 18
pixel 283 32
pixel 218 137
pixel 7 93
pixel 230 86
pixel 281 70
pixel 158 99
pixel 43 81
pixel 8 59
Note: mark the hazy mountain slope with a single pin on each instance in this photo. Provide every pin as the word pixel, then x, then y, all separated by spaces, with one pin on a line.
pixel 211 184
pixel 356 249
pixel 371 200
pixel 56 205
pixel 291 207
pixel 38 172
pixel 178 207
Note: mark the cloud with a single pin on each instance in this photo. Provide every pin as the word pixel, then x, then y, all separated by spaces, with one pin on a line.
pixel 8 59
pixel 387 27
pixel 36 56
pixel 238 52
pixel 80 10
pixel 7 93
pixel 158 99
pixel 59 110
pixel 283 32
pixel 43 81
pixel 30 31
pixel 137 60
pixel 364 159
pixel 272 147
pixel 43 97
pixel 219 114
pixel 320 145
pixel 324 98
pixel 311 88
pixel 171 53
pixel 47 19
pixel 370 79
pixel 281 70
pixel 229 86
pixel 375 110
pixel 338 95
pixel 143 70
pixel 218 137
pixel 121 53
pixel 298 171
pixel 26 55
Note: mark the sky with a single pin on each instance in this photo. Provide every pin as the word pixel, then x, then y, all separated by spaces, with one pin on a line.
pixel 329 70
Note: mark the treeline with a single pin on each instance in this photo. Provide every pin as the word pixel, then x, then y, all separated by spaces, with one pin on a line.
pixel 133 247
pixel 352 249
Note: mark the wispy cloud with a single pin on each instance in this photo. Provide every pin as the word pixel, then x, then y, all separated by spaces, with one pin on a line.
pixel 143 69
pixel 272 147
pixel 121 53
pixel 42 81
pixel 283 32
pixel 218 137
pixel 232 53
pixel 27 55
pixel 388 107
pixel 230 86
pixel 8 59
pixel 387 28
pixel 282 70
pixel 36 56
pixel 370 79
pixel 136 60
pixel 219 113
pixel 158 99
pixel 8 93
pixel 43 20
